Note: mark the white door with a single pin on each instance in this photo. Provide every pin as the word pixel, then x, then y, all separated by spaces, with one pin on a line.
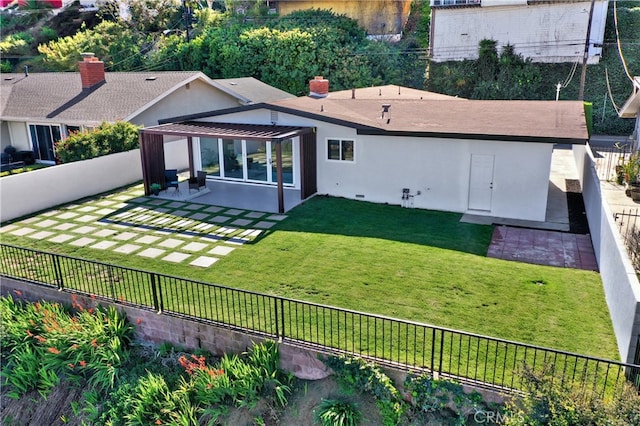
pixel 481 182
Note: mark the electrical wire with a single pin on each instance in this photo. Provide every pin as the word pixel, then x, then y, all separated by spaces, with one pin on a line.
pixel 606 73
pixel 624 63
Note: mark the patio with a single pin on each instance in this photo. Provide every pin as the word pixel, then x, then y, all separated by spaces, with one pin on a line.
pixel 255 197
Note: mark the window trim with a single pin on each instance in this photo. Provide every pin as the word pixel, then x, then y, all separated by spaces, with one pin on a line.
pixel 340 150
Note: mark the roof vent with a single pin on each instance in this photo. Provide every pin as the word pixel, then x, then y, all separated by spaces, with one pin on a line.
pixel 151 78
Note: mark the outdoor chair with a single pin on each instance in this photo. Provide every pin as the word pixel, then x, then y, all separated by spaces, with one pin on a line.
pixel 200 181
pixel 171 179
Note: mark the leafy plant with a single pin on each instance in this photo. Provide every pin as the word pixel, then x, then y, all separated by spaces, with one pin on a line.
pixel 367 377
pixel 337 412
pixel 108 138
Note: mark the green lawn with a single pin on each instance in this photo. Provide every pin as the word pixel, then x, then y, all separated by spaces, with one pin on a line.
pixel 412 264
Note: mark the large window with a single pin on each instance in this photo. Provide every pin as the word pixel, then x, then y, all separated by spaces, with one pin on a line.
pixel 340 149
pixel 43 139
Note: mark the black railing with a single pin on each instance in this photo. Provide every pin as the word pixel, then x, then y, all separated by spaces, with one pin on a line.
pixel 628 222
pixel 608 158
pixel 469 358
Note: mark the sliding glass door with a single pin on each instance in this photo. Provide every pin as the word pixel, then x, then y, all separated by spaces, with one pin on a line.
pixel 246 160
pixel 43 139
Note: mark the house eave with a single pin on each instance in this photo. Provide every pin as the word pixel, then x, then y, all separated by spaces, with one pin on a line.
pixel 473 136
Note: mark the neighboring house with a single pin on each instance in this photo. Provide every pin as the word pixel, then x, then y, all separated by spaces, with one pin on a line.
pixel 39 109
pixel 544 31
pixel 384 144
pixel 385 18
pixel 631 109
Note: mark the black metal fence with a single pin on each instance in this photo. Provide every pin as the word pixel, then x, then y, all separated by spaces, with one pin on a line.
pixel 467 357
pixel 606 158
pixel 629 228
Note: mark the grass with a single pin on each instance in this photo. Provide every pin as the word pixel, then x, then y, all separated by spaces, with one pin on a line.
pixel 26 168
pixel 412 264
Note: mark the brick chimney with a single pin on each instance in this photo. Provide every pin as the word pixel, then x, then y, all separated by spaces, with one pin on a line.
pixel 91 71
pixel 319 87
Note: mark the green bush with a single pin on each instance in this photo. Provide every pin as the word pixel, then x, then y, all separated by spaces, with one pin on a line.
pixel 337 412
pixel 367 377
pixel 108 138
pixel 549 402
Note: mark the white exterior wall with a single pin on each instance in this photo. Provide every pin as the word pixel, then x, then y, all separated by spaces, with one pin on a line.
pixel 619 279
pixel 548 32
pixel 27 193
pixel 439 168
pixel 19 136
pixel 198 97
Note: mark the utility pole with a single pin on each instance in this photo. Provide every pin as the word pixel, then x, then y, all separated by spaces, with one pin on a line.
pixel 187 18
pixel 587 43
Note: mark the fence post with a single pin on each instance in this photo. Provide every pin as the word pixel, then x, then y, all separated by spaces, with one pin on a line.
pixel 58 272
pixel 277 317
pixel 433 348
pixel 157 302
pixel 282 329
pixel 441 351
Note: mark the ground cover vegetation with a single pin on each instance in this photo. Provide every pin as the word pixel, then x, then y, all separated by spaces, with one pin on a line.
pixel 287 51
pixel 87 369
pixel 382 259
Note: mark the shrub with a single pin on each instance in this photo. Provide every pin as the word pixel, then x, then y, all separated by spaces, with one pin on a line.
pixel 547 401
pixel 108 138
pixel 337 412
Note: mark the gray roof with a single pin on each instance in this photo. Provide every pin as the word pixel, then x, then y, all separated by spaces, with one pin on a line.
pixel 59 96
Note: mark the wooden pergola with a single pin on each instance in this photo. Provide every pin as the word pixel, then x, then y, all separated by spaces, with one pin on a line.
pixel 152 149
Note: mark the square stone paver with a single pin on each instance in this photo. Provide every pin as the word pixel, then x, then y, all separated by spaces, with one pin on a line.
pixel 127 248
pixel 213 209
pixel 264 224
pixel 255 215
pixel 241 222
pixel 193 246
pixel 105 203
pixel 62 238
pixel 204 261
pixel 221 250
pixel 151 252
pixel 170 243
pixel 105 233
pixel 234 212
pixel 41 235
pixel 192 207
pixel 156 202
pixel 181 213
pixel 277 217
pixel 81 242
pixel 85 229
pixel 176 257
pixel 8 228
pixel 50 213
pixel 220 219
pixel 103 245
pixel 22 231
pixel 203 227
pixel 198 216
pixel 125 236
pixel 87 218
pixel 147 239
pixel 87 209
pixel 105 212
pixel 31 220
pixel 64 226
pixel 162 220
pixel 225 230
pixel 175 205
pixel 67 215
pixel 47 223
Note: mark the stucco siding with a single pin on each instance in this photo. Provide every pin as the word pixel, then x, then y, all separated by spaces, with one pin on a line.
pixel 19 136
pixel 438 168
pixel 193 98
pixel 544 32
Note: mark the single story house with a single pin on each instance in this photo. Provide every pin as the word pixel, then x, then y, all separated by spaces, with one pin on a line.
pixel 631 109
pixel 384 144
pixel 39 109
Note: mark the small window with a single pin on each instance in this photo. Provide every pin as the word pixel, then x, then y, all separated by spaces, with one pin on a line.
pixel 340 150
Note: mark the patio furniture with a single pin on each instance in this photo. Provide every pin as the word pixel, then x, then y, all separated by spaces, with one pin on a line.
pixel 200 181
pixel 171 179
